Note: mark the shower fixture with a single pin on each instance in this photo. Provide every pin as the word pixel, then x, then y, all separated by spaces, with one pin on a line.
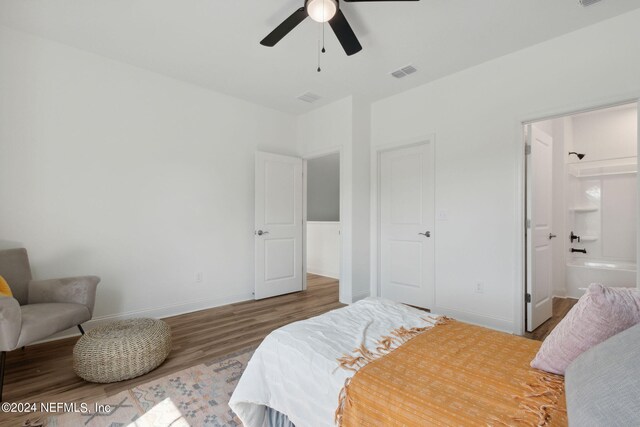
pixel 580 155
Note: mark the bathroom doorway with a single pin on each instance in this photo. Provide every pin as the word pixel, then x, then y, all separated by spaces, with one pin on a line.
pixel 581 209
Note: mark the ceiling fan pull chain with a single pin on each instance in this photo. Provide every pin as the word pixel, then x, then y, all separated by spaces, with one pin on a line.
pixel 324 24
pixel 323 50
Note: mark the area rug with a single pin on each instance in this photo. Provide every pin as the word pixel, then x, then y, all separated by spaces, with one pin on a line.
pixel 197 396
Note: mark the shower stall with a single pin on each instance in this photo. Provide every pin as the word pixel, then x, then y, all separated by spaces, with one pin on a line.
pixel 601 220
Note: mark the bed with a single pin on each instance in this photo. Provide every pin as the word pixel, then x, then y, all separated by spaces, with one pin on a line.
pixel 377 362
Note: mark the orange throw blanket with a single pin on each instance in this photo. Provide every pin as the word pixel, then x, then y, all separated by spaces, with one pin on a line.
pixel 455 374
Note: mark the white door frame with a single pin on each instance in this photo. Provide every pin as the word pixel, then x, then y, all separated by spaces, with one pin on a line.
pixel 520 180
pixel 376 154
pixel 343 258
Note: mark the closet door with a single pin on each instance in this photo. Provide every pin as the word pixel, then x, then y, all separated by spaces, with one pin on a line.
pixel 406 225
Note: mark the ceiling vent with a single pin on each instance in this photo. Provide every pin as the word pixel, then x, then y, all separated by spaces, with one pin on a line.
pixel 586 3
pixel 309 97
pixel 404 71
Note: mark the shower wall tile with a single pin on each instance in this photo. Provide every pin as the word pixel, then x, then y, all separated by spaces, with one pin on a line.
pixel 619 213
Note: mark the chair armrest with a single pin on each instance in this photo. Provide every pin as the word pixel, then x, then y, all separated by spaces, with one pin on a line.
pixel 79 290
pixel 10 323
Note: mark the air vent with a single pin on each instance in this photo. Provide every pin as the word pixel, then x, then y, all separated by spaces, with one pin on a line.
pixel 586 3
pixel 404 71
pixel 309 97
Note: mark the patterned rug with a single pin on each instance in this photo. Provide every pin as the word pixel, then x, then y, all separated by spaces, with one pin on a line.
pixel 197 396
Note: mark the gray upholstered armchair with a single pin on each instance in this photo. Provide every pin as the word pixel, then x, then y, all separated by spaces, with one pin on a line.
pixel 39 308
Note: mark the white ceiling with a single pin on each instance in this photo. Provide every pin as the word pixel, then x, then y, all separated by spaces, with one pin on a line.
pixel 215 43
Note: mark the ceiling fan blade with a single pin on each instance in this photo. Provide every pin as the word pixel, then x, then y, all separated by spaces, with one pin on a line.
pixel 283 29
pixel 345 34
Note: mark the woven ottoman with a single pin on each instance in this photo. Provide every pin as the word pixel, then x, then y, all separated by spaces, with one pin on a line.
pixel 121 350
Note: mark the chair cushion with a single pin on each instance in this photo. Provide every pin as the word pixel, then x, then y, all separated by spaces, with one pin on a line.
pixel 43 320
pixel 603 384
pixel 599 314
pixel 5 290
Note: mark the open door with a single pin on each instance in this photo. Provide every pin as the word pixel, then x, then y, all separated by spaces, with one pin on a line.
pixel 278 225
pixel 539 227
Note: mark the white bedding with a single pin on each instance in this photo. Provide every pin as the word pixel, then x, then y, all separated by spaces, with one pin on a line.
pixel 295 369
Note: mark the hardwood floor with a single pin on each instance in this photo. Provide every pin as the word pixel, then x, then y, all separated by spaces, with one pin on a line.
pixel 561 307
pixel 43 373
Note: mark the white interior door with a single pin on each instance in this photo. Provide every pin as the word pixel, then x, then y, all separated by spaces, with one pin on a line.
pixel 540 228
pixel 278 225
pixel 406 225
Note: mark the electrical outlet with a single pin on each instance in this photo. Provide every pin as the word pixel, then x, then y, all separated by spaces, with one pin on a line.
pixel 480 288
pixel 199 277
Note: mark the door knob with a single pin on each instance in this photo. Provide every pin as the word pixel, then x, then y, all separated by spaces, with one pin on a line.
pixel 425 234
pixel 552 236
pixel 260 232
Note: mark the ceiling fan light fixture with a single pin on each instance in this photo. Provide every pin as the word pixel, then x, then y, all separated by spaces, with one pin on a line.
pixel 322 10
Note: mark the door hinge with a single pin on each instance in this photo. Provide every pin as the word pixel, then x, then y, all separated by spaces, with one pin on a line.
pixel 528 223
pixel 527 298
pixel 527 149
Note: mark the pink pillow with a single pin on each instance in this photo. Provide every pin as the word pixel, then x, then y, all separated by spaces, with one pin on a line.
pixel 600 314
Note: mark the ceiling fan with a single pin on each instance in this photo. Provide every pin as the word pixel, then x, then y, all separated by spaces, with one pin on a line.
pixel 321 11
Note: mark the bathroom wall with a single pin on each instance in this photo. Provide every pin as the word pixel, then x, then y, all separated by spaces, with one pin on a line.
pixel 605 134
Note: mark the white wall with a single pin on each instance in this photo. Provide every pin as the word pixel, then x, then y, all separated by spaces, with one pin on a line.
pixel 361 170
pixel 143 180
pixel 325 129
pixel 476 116
pixel 606 134
pixel 323 248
